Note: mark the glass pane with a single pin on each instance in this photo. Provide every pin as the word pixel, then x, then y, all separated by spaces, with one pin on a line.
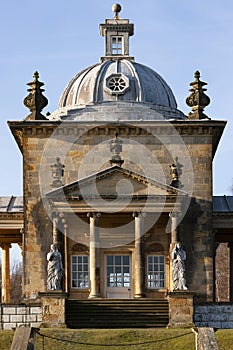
pixel 110 260
pixel 80 259
pixel 74 284
pixel 109 270
pixel 73 259
pixel 150 259
pixel 118 269
pixel 161 259
pixel 85 259
pixel 118 260
pixel 126 260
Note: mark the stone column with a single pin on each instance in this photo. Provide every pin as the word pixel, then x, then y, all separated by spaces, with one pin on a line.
pixel 6 272
pixel 173 217
pixel 139 255
pixel 55 230
pixel 231 272
pixel 174 239
pixel 94 257
pixel 66 257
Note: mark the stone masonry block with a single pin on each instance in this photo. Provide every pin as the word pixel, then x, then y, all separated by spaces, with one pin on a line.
pixel 36 310
pixel 35 324
pixel 9 310
pixel 214 309
pixel 5 318
pixel 215 325
pixel 218 317
pixel 9 326
pixel 227 325
pixel 39 318
pixel 201 324
pixel 227 309
pixel 201 309
pixel 31 318
pixel 16 318
pixel 21 310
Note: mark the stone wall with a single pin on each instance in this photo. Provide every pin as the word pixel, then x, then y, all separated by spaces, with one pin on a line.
pixel 160 140
pixel 214 315
pixel 12 316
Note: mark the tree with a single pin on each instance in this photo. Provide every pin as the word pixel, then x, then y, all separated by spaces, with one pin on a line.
pixel 16 283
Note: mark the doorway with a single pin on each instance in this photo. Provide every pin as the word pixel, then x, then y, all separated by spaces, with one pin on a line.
pixel 118 276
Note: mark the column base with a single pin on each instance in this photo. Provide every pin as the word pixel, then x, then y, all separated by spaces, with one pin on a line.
pixel 94 296
pixel 139 296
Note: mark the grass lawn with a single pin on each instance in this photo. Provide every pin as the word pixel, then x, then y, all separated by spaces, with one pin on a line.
pixel 140 339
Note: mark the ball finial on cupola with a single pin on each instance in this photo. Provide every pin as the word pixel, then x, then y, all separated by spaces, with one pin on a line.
pixel 116 8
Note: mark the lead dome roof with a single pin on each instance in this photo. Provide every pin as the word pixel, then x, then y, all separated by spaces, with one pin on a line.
pixel 117 88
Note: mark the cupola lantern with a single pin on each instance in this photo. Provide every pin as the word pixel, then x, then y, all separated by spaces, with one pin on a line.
pixel 116 32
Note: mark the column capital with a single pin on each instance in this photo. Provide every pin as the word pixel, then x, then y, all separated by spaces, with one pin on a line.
pixel 62 218
pixel 137 214
pixel 5 245
pixel 93 215
pixel 174 215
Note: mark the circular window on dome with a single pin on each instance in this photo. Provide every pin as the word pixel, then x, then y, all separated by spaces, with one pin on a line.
pixel 117 84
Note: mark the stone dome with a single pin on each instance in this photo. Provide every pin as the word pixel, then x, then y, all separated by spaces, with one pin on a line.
pixel 117 88
pixel 117 81
pixel 116 85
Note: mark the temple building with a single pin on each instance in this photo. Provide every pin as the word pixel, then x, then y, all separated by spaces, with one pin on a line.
pixel 118 181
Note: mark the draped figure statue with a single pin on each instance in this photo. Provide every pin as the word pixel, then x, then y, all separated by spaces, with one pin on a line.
pixel 54 268
pixel 178 267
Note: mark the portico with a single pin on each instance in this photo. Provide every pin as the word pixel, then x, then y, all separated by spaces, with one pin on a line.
pixel 120 248
pixel 11 227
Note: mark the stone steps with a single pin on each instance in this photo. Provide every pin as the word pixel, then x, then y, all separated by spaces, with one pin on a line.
pixel 127 313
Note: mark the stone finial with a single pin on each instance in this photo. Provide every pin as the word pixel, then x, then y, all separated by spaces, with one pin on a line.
pixel 176 172
pixel 35 101
pixel 116 8
pixel 197 100
pixel 116 149
pixel 57 173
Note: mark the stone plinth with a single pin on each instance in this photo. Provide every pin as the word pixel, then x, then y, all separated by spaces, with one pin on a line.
pixel 53 308
pixel 180 309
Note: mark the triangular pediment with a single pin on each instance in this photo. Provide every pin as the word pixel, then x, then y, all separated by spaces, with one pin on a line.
pixel 114 182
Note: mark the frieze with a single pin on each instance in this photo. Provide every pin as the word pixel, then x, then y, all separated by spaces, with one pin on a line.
pixel 22 130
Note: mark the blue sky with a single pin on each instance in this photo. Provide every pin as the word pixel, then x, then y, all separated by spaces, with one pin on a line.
pixel 59 38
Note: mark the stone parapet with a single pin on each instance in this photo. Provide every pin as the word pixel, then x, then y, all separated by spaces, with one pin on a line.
pixel 13 316
pixel 215 315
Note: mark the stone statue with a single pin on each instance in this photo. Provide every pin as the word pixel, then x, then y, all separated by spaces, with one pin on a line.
pixel 178 267
pixel 55 269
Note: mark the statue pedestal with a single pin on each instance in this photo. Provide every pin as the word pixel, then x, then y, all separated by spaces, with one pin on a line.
pixel 180 309
pixel 53 308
